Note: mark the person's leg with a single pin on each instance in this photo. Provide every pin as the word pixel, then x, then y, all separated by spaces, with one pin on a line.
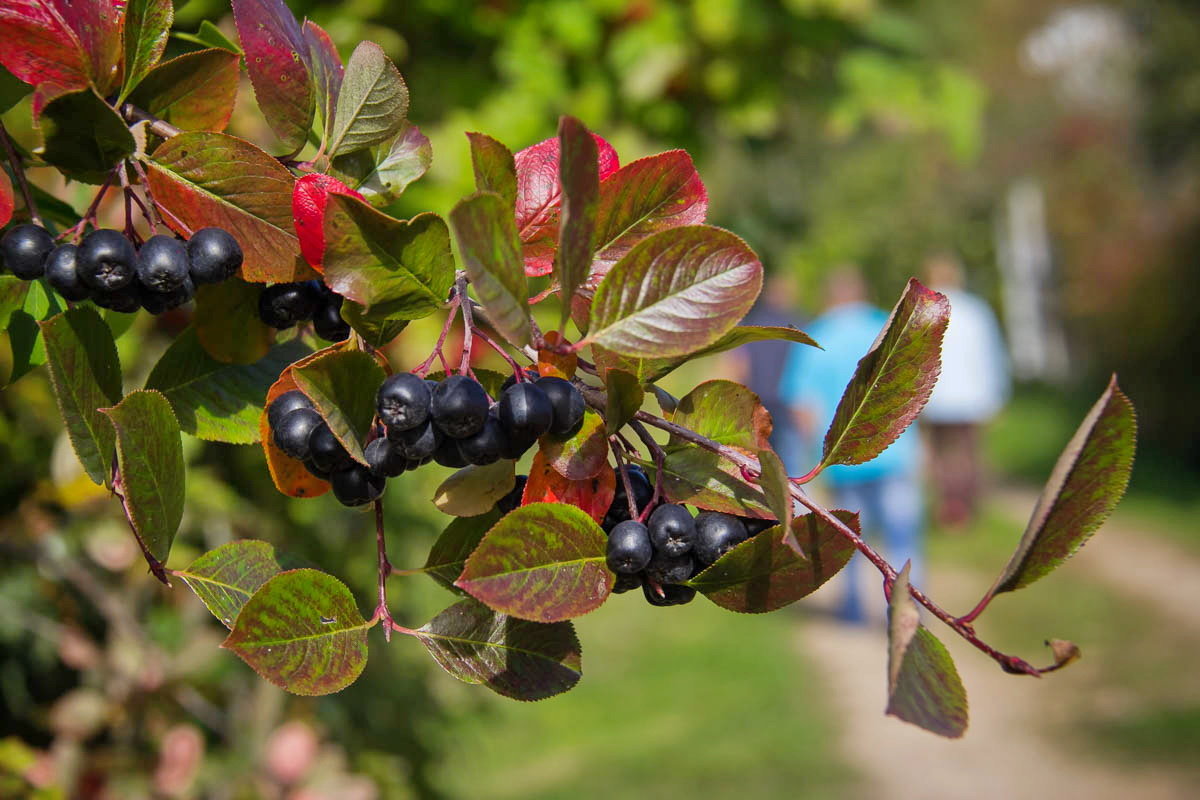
pixel 901 521
pixel 863 498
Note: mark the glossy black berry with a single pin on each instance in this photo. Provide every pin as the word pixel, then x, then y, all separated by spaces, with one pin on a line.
pixel 525 411
pixel 162 264
pixel 285 404
pixel 314 470
pixel 126 300
pixel 61 273
pixel 285 304
pixel 106 261
pixel 417 443
pixel 672 529
pixel 356 486
pixel 717 534
pixel 292 432
pixel 325 450
pixel 24 249
pixel 643 491
pixel 672 595
pixel 459 406
pixel 384 458
pixel 530 375
pixel 213 255
pixel 669 569
pixel 565 400
pixel 403 401
pixel 486 446
pixel 626 583
pixel 511 500
pixel 629 549
pixel 448 455
pixel 515 446
pixel 755 526
pixel 158 302
pixel 329 325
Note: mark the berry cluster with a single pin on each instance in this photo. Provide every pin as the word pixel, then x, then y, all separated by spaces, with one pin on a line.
pixel 671 546
pixel 106 268
pixel 452 422
pixel 283 305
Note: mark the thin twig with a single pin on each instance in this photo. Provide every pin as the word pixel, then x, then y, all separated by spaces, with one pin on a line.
pixel 660 458
pixel 89 216
pixel 423 368
pixel 159 127
pixel 19 173
pixel 152 217
pixel 385 569
pixel 623 471
pixel 464 365
pixel 518 371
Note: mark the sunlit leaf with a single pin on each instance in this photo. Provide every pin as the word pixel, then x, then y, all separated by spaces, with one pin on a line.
pixel 382 172
pixel 372 103
pixel 580 183
pixel 194 92
pixel 277 59
pixel 225 578
pixel 582 454
pixel 38 46
pixel 98 25
pixel 726 412
pixel 776 488
pixel 457 541
pixel 592 495
pixel 491 254
pixel 701 478
pixel 474 490
pixel 327 72
pixel 228 325
pixel 495 169
pixel 310 196
pixel 147 27
pixel 341 385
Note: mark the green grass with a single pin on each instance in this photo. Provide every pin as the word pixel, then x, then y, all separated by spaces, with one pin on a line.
pixel 680 702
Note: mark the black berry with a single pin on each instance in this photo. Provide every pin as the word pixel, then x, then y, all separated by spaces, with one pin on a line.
pixel 643 491
pixel 329 325
pixel 61 273
pixel 629 549
pixel 459 406
pixel 672 595
pixel 292 432
pixel 106 261
pixel 565 400
pixel 626 583
pixel 325 451
pixel 285 404
pixel 417 443
pixel 486 446
pixel 356 486
pixel 162 264
pixel 672 529
pixel 717 534
pixel 525 411
pixel 669 569
pixel 448 454
pixel 530 375
pixel 213 255
pixel 24 250
pixel 755 526
pixel 384 458
pixel 314 470
pixel 124 300
pixel 403 401
pixel 285 304
pixel 158 302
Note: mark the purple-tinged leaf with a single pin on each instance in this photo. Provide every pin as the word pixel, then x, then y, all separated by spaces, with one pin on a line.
pixel 277 58
pixel 449 553
pixel 512 657
pixel 625 396
pixel 701 478
pixel 1087 483
pixel 213 179
pixel 83 136
pixel 302 631
pixel 147 26
pixel 644 197
pixel 892 382
pixel 495 169
pixel 776 488
pixel 327 73
pixel 538 197
pixel 150 459
pixel 98 25
pixel 474 490
pixel 225 578
pixel 579 177
pixel 216 401
pixel 341 385
pixel 581 455
pixel 547 485
pixel 542 562
pixel 491 254
pixel 372 103
pixel 381 173
pixel 676 292
pixel 397 268
pixel 228 325
pixel 85 375
pixel 7 201
pixel 923 686
pixel 39 47
pixel 194 92
pixel 726 412
pixel 763 574
pixel 289 475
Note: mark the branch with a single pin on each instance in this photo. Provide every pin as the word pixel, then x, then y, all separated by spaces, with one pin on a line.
pixel 385 569
pixel 464 364
pixel 19 173
pixel 159 127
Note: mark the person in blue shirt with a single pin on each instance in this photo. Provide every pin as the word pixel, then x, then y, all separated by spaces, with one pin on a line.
pixel 886 491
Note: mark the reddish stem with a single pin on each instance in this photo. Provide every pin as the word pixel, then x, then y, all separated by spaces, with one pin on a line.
pixel 19 173
pixel 156 566
pixel 518 372
pixel 423 369
pixel 622 471
pixel 385 569
pixel 464 364
pixel 659 457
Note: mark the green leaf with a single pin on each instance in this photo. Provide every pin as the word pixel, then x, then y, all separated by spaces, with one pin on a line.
pixel 763 574
pixel 12 89
pixel 228 324
pixel 486 233
pixel 377 328
pixel 494 168
pixel 83 136
pixel 86 376
pixel 474 490
pixel 147 26
pixel 225 578
pixel 342 386
pixel 726 412
pixel 676 292
pixel 449 553
pixel 303 632
pixel 892 381
pixel 195 91
pixel 212 179
pixel 209 35
pixel 382 172
pixel 701 478
pixel 1085 486
pixel 372 103
pixel 625 396
pixel 923 686
pixel 542 562
pixel 37 303
pixel 776 488
pixel 512 657
pixel 579 176
pixel 582 454
pixel 150 459
pixel 215 401
pixel 400 270
pixel 13 291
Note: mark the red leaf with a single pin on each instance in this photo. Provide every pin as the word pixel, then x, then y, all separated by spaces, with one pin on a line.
pixel 545 485
pixel 552 363
pixel 309 198
pixel 6 198
pixel 38 46
pixel 327 71
pixel 277 58
pixel 98 25
pixel 539 194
